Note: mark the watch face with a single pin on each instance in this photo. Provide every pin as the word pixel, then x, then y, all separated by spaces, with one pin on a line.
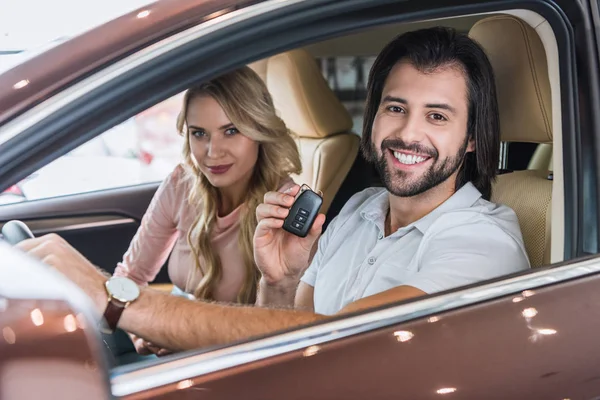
pixel 122 289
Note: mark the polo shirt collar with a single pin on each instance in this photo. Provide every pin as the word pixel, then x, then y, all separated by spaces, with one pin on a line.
pixel 378 206
pixel 465 197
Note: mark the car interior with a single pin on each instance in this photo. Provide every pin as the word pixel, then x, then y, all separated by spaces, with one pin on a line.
pixel 524 95
pixel 530 180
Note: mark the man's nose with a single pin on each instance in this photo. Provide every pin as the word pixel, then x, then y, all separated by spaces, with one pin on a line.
pixel 411 130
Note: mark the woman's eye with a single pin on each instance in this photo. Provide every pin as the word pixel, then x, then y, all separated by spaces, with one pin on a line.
pixel 198 133
pixel 395 109
pixel 437 117
pixel 231 131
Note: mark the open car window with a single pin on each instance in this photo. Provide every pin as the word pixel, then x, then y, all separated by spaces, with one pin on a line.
pixel 143 149
pixel 346 75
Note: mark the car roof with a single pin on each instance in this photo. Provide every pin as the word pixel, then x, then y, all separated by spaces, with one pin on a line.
pixel 28 84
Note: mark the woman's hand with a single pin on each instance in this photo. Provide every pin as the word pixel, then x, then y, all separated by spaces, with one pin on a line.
pixel 144 348
pixel 280 255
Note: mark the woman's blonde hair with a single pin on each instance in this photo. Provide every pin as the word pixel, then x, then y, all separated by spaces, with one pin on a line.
pixel 246 101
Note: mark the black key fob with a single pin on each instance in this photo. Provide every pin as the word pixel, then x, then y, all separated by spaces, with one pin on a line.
pixel 303 212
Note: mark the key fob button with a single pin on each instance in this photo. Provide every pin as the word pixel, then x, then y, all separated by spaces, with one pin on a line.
pixel 303 212
pixel 297 225
pixel 300 218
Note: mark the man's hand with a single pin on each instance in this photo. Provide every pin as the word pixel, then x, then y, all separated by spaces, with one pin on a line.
pixel 280 255
pixel 56 252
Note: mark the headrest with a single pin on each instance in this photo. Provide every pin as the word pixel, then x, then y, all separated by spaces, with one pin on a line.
pixel 301 95
pixel 519 61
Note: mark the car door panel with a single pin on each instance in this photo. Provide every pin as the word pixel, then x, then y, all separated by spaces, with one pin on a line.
pixel 496 342
pixel 98 224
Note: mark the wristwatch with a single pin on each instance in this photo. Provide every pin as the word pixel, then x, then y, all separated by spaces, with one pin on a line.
pixel 121 292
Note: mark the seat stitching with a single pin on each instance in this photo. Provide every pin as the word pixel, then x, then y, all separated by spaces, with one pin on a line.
pixel 534 74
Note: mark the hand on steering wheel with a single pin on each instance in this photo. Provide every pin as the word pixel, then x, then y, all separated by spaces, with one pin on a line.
pixel 55 252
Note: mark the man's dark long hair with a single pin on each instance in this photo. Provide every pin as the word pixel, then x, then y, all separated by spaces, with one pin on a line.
pixel 428 50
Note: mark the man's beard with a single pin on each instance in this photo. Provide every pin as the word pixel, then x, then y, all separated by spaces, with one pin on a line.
pixel 396 181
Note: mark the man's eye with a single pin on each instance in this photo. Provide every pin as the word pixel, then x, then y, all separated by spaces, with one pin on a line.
pixel 437 117
pixel 231 131
pixel 395 109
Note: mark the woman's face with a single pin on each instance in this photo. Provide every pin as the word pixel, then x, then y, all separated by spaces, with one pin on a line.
pixel 224 155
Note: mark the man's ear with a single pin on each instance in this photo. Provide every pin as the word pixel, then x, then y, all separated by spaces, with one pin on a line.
pixel 471 145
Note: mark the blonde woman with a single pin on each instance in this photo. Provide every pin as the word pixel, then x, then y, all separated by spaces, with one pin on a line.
pixel 236 150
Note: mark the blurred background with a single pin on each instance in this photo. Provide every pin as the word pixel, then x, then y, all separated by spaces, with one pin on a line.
pixel 144 148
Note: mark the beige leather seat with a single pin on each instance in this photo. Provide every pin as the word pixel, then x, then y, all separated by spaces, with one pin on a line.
pixel 327 145
pixel 519 61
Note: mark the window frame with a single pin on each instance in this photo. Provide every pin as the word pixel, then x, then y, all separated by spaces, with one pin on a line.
pixel 218 46
pixel 168 67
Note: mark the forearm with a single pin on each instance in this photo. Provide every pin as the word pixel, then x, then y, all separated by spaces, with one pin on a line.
pixel 179 324
pixel 276 295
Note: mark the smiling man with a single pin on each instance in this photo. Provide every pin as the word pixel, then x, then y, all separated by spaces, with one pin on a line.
pixel 432 128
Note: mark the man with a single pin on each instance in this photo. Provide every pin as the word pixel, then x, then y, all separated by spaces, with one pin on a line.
pixel 431 127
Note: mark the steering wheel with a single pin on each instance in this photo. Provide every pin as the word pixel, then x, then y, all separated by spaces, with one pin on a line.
pixel 16 231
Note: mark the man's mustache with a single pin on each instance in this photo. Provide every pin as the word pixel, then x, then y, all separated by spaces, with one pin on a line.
pixel 399 144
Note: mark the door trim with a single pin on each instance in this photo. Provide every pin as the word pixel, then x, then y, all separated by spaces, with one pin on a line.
pixel 207 362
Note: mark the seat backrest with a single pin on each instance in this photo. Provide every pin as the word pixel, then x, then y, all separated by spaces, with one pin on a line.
pixel 528 193
pixel 524 100
pixel 311 110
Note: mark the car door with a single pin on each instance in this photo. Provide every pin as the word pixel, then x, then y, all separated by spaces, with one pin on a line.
pixel 525 336
pixel 470 341
pixel 101 233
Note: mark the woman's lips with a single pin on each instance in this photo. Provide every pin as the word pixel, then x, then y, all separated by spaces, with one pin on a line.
pixel 219 169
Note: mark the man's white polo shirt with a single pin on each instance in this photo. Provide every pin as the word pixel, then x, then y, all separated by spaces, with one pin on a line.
pixel 465 240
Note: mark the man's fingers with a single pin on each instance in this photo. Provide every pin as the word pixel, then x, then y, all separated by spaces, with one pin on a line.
pixel 270 211
pixel 280 199
pixel 43 250
pixel 28 244
pixel 42 246
pixel 293 190
pixel 277 204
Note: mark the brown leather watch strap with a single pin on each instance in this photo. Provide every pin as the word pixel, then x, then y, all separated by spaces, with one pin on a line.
pixel 112 314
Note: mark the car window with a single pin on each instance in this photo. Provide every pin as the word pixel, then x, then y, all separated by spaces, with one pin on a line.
pixel 143 149
pixel 146 147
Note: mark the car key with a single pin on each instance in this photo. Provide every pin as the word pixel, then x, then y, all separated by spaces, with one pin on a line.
pixel 303 212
